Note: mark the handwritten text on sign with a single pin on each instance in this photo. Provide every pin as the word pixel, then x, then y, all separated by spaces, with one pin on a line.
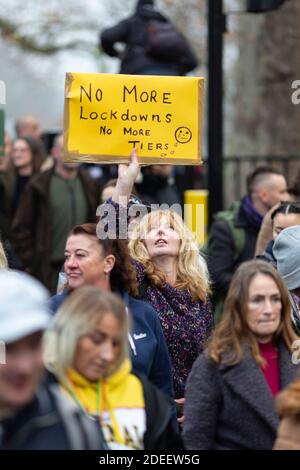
pixel 107 115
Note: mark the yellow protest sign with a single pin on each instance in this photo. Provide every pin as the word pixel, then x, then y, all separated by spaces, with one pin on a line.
pixel 106 115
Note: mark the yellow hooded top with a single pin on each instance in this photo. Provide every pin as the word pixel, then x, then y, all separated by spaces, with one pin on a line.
pixel 117 402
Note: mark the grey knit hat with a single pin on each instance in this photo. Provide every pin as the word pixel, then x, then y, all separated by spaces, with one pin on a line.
pixel 286 250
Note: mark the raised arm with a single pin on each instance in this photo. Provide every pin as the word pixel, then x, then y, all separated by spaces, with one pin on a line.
pixel 127 174
pixel 113 214
pixel 116 34
pixel 265 233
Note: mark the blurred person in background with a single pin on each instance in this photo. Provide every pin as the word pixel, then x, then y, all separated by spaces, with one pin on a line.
pixel 6 179
pixel 265 233
pixel 32 416
pixel 172 55
pixel 53 203
pixel 5 160
pixel 286 214
pixel 108 189
pixel 26 160
pixel 157 185
pixel 3 258
pixel 286 251
pixel 288 408
pixel 28 125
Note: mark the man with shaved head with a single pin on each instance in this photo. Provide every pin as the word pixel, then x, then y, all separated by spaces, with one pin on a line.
pixel 266 187
pixel 28 125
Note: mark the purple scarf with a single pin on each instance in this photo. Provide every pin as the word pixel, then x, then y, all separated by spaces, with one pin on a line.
pixel 251 214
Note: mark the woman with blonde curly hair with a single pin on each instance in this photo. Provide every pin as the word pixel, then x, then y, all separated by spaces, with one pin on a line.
pixel 191 272
pixel 230 390
pixel 172 277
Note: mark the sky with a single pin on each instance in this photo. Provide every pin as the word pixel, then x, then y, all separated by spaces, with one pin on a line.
pixel 35 84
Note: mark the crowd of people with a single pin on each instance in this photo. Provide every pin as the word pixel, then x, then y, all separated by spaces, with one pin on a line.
pixel 117 331
pixel 133 337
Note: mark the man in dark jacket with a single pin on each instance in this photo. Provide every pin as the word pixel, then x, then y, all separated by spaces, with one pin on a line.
pixel 157 186
pixel 233 234
pixel 135 59
pixel 53 203
pixel 32 417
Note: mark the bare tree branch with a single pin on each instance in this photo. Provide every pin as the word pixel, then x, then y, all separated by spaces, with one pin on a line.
pixel 10 33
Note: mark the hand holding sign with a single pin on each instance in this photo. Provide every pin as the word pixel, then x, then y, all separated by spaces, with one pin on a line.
pixel 131 171
pixel 127 174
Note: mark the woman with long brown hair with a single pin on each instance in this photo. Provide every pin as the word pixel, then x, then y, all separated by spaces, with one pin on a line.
pixel 230 390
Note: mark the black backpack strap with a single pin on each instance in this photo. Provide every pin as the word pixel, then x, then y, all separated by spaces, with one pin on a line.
pixel 143 287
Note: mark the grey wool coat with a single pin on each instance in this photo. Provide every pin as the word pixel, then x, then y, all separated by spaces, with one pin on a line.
pixel 232 407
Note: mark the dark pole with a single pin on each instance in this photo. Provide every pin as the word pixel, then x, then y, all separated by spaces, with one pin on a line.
pixel 216 27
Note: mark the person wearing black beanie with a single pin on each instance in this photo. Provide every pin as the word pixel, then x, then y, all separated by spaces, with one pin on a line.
pixel 141 3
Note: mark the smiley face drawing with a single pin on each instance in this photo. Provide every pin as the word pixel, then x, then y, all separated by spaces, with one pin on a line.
pixel 183 135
